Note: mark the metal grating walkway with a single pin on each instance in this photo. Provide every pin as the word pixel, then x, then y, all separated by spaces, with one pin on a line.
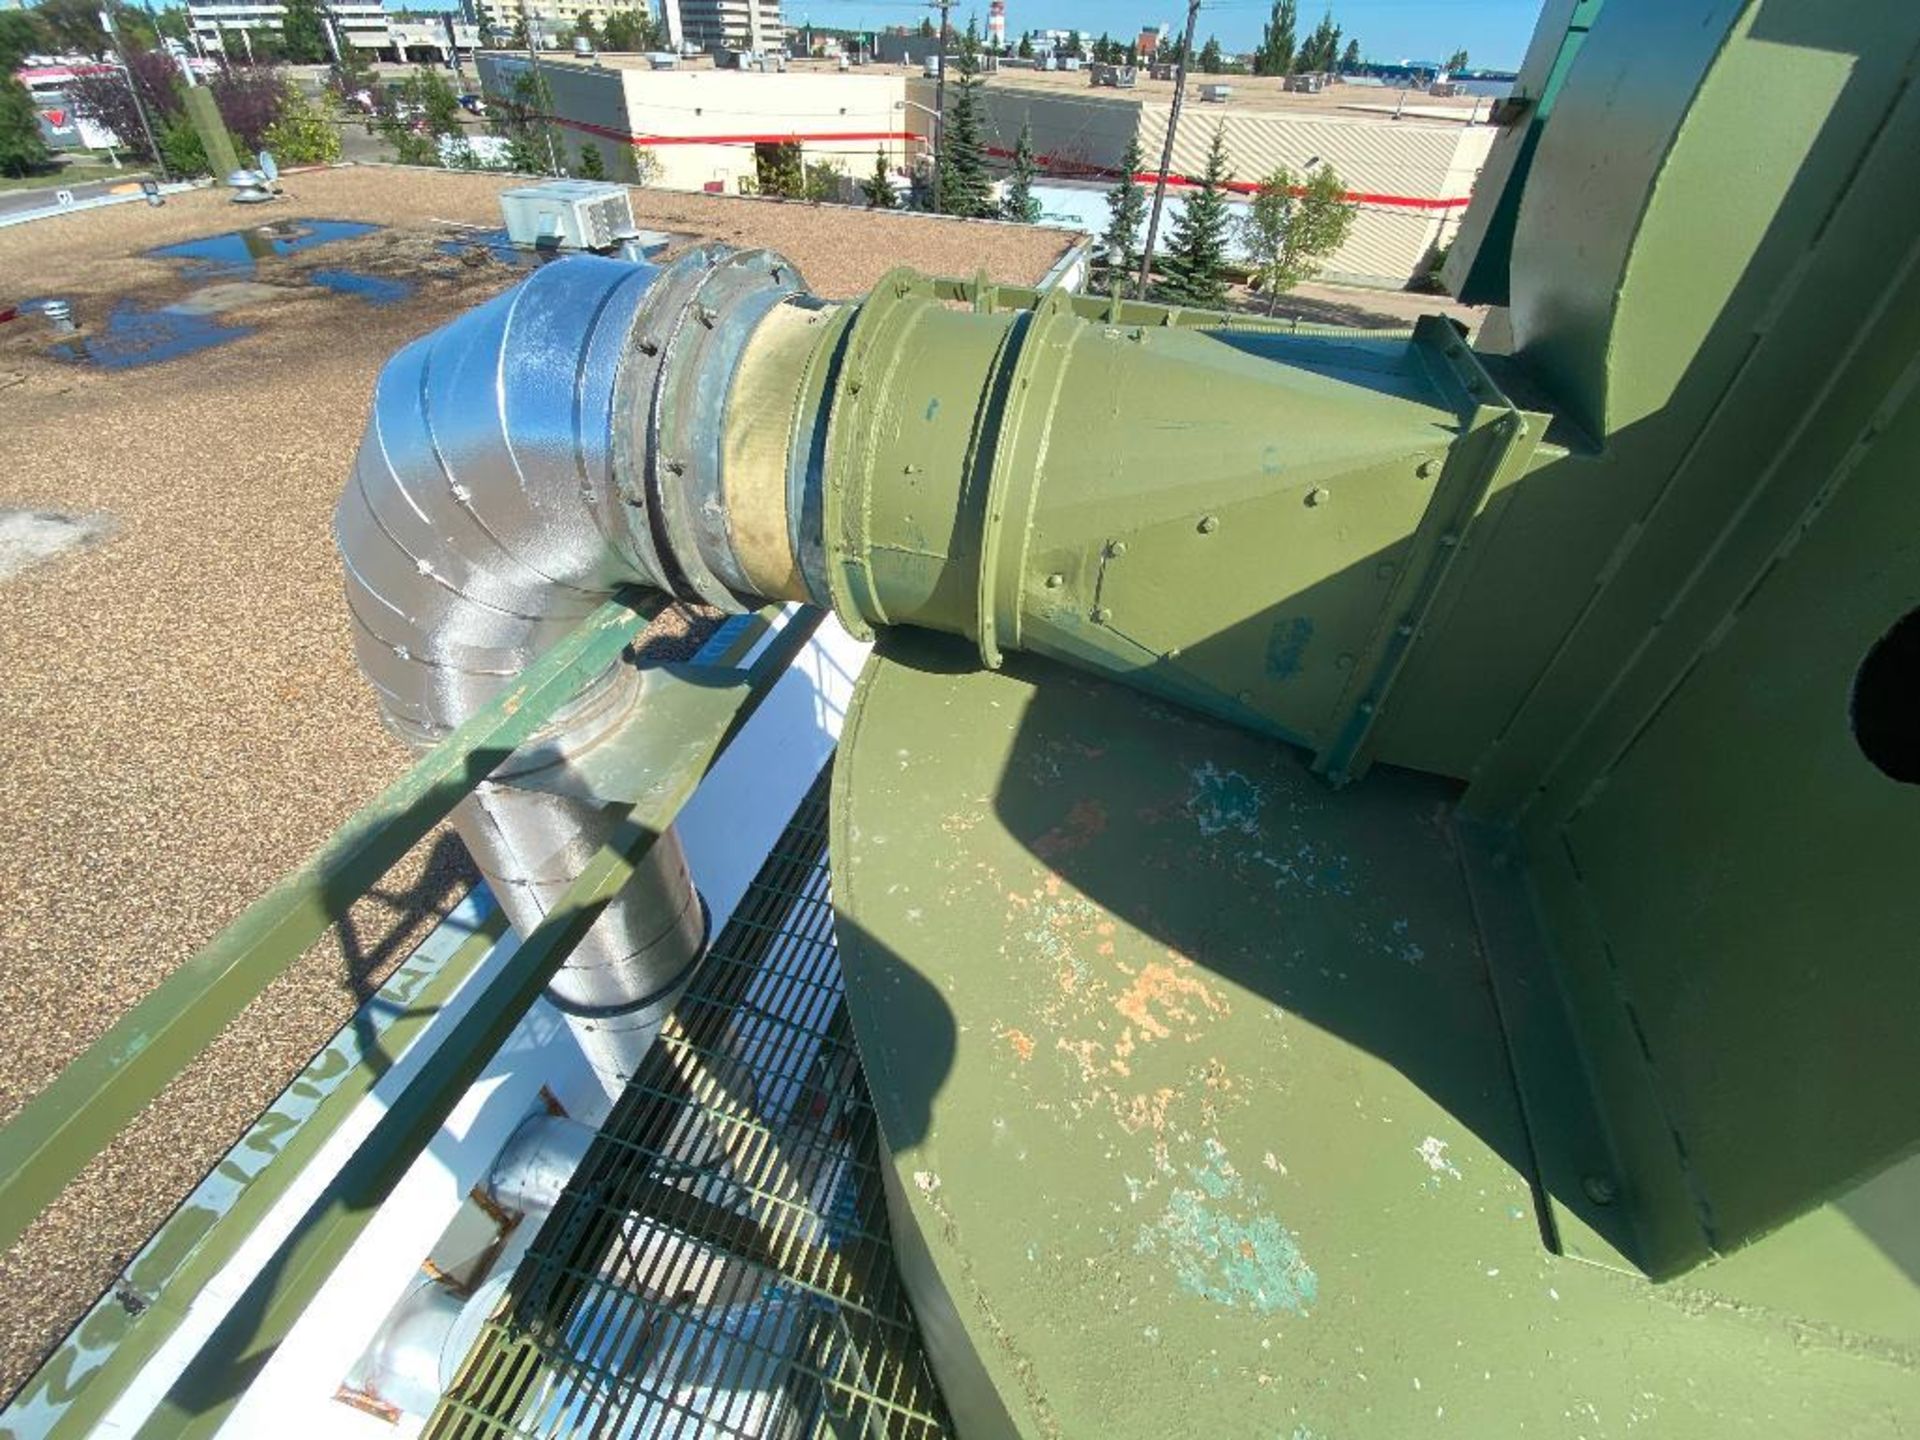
pixel 720 1265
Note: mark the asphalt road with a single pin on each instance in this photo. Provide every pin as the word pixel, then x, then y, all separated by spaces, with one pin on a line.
pixel 12 202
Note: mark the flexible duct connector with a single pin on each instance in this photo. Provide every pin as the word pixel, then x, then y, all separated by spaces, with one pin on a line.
pixel 512 477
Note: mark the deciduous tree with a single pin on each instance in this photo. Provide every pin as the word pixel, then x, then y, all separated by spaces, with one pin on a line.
pixel 1277 40
pixel 303 32
pixel 1290 227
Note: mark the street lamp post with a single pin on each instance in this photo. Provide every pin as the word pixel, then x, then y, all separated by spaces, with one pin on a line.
pixel 133 89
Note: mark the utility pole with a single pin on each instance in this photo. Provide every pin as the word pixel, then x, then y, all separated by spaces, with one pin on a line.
pixel 540 94
pixel 940 100
pixel 1166 151
pixel 133 89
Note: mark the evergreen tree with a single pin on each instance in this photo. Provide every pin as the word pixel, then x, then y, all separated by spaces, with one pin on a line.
pixel 22 151
pixel 964 186
pixel 1127 211
pixel 1351 61
pixel 1210 58
pixel 303 34
pixel 1020 203
pixel 1456 62
pixel 593 165
pixel 1025 52
pixel 1194 272
pixel 878 187
pixel 1275 55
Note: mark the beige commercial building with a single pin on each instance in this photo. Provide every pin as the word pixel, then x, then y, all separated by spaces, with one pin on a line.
pixel 1409 167
pixel 703 127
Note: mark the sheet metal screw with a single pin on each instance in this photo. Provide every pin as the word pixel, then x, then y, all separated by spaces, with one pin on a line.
pixel 1245 697
pixel 1054 582
pixel 1318 496
pixel 1449 540
pixel 649 347
pixel 1102 615
pixel 1599 1189
pixel 1116 548
pixel 707 315
pixel 1209 524
pixel 1425 469
pixel 1343 662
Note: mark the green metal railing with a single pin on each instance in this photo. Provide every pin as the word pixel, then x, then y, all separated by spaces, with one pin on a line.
pixel 985 294
pixel 691 717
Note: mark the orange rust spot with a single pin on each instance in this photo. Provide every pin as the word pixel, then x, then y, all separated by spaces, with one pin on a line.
pixel 1021 1042
pixel 1084 823
pixel 1246 1250
pixel 1086 1052
pixel 1171 991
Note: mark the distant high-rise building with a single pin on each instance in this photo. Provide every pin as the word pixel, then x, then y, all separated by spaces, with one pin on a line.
pixel 546 18
pixel 725 24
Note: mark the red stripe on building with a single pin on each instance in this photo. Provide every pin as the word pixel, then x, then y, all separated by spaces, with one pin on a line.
pixel 789 137
pixel 1065 170
pixel 1083 171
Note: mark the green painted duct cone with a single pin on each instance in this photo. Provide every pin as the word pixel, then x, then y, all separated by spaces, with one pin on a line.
pixel 1234 519
pixel 222 159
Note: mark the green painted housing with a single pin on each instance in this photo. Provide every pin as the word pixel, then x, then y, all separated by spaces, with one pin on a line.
pixel 1611 580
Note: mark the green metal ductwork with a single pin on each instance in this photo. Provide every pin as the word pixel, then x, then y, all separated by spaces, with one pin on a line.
pixel 1492 972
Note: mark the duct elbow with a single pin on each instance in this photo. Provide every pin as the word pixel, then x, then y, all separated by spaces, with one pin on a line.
pixel 507 484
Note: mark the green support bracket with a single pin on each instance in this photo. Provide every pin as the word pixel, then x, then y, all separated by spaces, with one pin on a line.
pixel 1496 444
pixel 210 1386
pixel 66 1398
pixel 60 1131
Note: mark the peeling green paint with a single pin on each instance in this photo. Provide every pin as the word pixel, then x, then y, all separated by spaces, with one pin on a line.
pixel 1224 1247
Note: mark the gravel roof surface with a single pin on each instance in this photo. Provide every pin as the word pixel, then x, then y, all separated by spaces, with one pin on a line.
pixel 182 719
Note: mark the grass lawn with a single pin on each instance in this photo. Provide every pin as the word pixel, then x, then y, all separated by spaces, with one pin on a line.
pixel 74 168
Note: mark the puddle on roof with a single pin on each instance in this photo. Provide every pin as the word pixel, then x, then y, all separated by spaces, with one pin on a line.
pixel 237 252
pixel 493 243
pixel 133 336
pixel 374 289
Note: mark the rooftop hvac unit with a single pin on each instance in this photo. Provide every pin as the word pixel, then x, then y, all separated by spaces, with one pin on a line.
pixel 568 215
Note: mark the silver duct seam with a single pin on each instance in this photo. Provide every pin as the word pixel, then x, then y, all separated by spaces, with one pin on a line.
pixel 508 483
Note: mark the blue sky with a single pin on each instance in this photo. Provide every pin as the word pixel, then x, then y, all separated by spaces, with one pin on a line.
pixel 1493 32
